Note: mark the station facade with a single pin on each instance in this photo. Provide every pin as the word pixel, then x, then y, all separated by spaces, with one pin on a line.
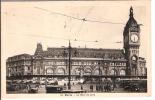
pixel 84 61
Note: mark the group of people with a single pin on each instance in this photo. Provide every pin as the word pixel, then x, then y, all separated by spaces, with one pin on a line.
pixel 102 88
pixel 108 87
pixel 105 85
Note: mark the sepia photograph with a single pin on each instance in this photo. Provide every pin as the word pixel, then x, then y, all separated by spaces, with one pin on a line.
pixel 84 48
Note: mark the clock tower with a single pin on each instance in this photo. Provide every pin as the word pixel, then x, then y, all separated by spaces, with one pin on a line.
pixel 131 38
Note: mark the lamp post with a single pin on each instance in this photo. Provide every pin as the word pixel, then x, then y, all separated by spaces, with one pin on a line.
pixel 69 77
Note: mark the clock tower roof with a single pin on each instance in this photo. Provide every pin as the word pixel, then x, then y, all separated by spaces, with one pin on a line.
pixel 131 22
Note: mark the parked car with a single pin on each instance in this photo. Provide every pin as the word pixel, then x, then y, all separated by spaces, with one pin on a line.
pixel 132 88
pixel 54 89
pixel 10 86
pixel 33 88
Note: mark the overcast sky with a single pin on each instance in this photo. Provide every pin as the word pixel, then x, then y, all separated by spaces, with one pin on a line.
pixel 23 26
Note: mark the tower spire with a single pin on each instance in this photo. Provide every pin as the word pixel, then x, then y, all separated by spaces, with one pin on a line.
pixel 39 49
pixel 131 11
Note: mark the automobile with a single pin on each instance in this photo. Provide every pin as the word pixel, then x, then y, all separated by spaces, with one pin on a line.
pixel 135 88
pixel 33 88
pixel 10 86
pixel 54 89
pixel 127 87
pixel 132 88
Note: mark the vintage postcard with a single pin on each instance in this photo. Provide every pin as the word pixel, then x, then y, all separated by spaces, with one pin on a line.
pixel 75 48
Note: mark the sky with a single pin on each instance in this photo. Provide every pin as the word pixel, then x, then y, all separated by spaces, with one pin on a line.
pixel 23 25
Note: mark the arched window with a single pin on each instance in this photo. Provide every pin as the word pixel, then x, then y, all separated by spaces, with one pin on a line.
pixel 104 72
pixel 60 71
pixel 122 72
pixel 113 72
pixel 87 71
pixel 49 71
pixel 77 71
pixel 96 72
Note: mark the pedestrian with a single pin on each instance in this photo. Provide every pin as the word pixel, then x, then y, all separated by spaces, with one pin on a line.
pixel 64 84
pixel 101 88
pixel 105 90
pixel 91 87
pixel 97 87
pixel 28 88
pixel 81 87
pixel 109 87
pixel 112 87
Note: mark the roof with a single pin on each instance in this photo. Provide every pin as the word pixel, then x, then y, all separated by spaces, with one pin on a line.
pixel 19 57
pixel 131 23
pixel 142 59
pixel 85 53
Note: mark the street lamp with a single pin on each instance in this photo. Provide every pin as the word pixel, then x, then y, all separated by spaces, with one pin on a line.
pixel 69 77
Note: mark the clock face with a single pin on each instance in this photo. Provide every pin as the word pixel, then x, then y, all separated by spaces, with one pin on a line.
pixel 134 38
pixel 134 59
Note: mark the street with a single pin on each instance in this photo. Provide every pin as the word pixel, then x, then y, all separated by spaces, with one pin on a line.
pixel 85 87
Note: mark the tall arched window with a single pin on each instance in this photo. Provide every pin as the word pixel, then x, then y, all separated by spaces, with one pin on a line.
pixel 61 71
pixel 77 71
pixel 96 72
pixel 113 72
pixel 122 72
pixel 104 72
pixel 87 71
pixel 49 71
